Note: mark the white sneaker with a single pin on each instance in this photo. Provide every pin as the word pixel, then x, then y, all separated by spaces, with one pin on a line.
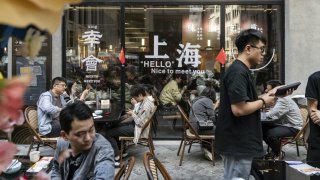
pixel 117 164
pixel 207 154
pixel 124 155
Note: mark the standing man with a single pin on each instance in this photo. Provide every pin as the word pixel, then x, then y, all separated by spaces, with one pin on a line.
pixel 49 105
pixel 238 131
pixel 81 152
pixel 313 96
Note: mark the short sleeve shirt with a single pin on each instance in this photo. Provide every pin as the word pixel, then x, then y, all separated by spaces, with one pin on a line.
pixel 313 92
pixel 238 136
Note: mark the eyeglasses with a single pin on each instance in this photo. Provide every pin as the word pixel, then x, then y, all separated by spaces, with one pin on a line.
pixel 62 84
pixel 263 49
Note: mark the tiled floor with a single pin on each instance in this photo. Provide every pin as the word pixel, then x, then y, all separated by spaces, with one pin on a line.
pixel 194 166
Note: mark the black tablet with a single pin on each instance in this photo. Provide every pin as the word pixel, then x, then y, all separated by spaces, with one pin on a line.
pixel 282 90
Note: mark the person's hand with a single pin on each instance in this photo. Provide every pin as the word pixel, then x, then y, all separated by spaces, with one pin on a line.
pixel 184 88
pixel 269 98
pixel 274 90
pixel 130 112
pixel 315 116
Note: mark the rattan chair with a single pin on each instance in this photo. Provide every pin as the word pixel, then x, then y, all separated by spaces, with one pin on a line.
pixel 127 141
pixel 300 136
pixel 190 136
pixel 152 165
pixel 31 117
pixel 125 169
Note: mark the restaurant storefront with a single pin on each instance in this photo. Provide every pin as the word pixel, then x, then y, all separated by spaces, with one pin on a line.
pixel 161 39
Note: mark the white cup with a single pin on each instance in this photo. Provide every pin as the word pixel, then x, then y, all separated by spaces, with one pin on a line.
pixel 34 156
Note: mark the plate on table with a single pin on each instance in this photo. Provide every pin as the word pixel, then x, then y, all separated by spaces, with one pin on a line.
pixel 90 102
pixel 14 167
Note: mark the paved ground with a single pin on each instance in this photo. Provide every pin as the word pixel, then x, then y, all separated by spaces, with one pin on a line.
pixel 194 166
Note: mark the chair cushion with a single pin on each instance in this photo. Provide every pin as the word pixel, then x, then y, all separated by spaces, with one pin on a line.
pixel 191 135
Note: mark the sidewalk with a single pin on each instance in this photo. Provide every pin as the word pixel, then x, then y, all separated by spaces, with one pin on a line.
pixel 194 165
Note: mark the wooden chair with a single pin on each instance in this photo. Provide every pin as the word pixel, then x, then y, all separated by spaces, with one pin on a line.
pixel 301 134
pixel 31 117
pixel 127 141
pixel 190 136
pixel 152 165
pixel 125 169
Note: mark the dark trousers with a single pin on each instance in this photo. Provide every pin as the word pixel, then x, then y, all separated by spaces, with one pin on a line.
pixel 55 130
pixel 113 134
pixel 272 134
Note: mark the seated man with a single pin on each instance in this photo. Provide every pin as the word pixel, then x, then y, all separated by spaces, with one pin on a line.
pixel 287 121
pixel 81 153
pixel 171 94
pixel 49 105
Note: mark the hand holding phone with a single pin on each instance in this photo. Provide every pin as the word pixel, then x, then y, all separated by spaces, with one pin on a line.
pixel 287 89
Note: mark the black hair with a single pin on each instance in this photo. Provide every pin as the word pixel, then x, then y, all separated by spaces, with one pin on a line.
pixel 210 93
pixel 57 80
pixel 249 36
pixel 274 83
pixel 137 89
pixel 153 92
pixel 175 76
pixel 77 110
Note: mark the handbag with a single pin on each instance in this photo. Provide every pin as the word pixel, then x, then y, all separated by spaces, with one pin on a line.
pixel 203 124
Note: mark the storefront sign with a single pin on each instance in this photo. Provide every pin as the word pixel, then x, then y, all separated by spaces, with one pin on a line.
pixel 92 37
pixel 189 55
pixel 91 63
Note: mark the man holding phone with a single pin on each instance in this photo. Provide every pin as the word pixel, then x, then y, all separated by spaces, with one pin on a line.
pixel 313 96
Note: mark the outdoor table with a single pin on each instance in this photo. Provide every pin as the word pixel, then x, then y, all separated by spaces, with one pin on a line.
pixel 109 116
pixel 26 164
pixel 279 170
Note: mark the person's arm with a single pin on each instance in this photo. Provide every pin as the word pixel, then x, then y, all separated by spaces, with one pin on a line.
pixel 84 95
pixel 45 104
pixel 176 93
pixel 313 111
pixel 281 108
pixel 104 163
pixel 144 114
pixel 55 171
pixel 312 95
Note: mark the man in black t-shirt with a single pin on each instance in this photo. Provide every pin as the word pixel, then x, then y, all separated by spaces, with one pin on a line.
pixel 238 131
pixel 313 95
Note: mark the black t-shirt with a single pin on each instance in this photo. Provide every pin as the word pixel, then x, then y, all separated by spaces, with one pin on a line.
pixel 238 136
pixel 313 92
pixel 74 164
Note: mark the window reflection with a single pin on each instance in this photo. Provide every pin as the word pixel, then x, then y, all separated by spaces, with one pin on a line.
pixel 93 46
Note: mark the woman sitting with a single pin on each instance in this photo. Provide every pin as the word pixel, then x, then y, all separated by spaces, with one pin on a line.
pixel 134 126
pixel 203 109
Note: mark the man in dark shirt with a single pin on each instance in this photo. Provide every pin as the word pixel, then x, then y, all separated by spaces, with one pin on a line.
pixel 238 131
pixel 313 96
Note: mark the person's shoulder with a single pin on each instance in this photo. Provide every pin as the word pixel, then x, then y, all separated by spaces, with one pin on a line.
pixel 315 75
pixel 101 141
pixel 62 144
pixel 47 93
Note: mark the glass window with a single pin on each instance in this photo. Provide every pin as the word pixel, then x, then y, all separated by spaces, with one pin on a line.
pixel 265 18
pixel 4 62
pixel 167 40
pixel 92 48
pixel 38 67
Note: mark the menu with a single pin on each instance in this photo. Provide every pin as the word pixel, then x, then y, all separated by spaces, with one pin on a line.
pixel 42 164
